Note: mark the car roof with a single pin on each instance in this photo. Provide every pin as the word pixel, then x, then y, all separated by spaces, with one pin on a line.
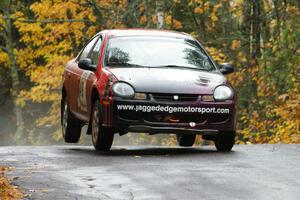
pixel 146 32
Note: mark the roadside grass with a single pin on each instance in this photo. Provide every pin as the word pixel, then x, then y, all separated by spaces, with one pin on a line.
pixel 7 190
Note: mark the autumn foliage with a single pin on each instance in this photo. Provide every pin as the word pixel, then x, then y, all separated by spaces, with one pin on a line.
pixel 260 37
pixel 8 191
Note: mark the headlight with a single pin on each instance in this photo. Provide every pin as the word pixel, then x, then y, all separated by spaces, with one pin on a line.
pixel 123 90
pixel 222 93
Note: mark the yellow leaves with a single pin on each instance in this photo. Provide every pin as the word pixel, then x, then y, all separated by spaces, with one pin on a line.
pixel 235 44
pixel 236 8
pixel 38 94
pixel 1 22
pixel 206 5
pixel 267 45
pixel 293 10
pixel 283 97
pixel 273 23
pixel 255 115
pixel 168 20
pixel 48 46
pixel 18 15
pixel 91 31
pixel 217 7
pixel 278 122
pixel 177 24
pixel 3 58
pixel 51 118
pixel 171 22
pixel 213 17
pixel 238 2
pixel 236 78
pixel 202 7
pixel 198 10
pixel 21 101
pixel 57 136
pixel 143 19
pixel 47 49
pixel 216 54
pixel 271 118
pixel 194 34
pixel 7 190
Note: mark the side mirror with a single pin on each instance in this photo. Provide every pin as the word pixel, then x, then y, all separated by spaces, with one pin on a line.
pixel 86 64
pixel 226 68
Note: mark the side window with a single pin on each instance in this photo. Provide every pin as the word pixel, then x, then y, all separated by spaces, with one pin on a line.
pixel 96 52
pixel 87 49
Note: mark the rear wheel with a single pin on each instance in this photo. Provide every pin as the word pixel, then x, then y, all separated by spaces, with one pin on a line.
pixel 71 127
pixel 225 141
pixel 102 137
pixel 185 140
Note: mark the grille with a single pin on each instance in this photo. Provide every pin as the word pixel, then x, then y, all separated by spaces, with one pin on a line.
pixel 170 97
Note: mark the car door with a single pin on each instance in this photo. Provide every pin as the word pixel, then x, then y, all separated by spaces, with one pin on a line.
pixel 76 76
pixel 87 78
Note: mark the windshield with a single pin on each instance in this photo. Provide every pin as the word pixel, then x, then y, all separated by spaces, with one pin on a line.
pixel 156 52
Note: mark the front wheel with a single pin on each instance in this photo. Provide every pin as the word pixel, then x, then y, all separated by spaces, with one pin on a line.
pixel 185 140
pixel 102 137
pixel 225 141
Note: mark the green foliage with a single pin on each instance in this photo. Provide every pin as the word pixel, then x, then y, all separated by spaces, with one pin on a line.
pixel 4 3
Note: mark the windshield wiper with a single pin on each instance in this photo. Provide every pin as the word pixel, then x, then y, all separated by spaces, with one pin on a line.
pixel 120 64
pixel 179 66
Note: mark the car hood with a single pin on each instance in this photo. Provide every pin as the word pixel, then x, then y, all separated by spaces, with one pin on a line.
pixel 167 80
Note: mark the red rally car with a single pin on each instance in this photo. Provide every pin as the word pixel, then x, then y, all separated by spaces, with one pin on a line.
pixel 147 81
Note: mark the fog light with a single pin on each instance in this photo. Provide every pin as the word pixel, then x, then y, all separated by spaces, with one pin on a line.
pixel 207 98
pixel 140 96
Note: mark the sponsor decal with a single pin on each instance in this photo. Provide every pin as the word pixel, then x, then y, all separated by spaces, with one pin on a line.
pixel 82 98
pixel 173 109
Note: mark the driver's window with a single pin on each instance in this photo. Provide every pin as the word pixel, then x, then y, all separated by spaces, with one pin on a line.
pixel 87 49
pixel 96 52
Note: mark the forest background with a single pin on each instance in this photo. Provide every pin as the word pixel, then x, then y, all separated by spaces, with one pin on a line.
pixel 261 38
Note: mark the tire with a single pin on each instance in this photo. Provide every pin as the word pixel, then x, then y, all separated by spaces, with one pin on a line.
pixel 71 127
pixel 102 137
pixel 225 141
pixel 185 140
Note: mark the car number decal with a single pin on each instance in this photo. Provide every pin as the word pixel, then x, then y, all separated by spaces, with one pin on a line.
pixel 82 98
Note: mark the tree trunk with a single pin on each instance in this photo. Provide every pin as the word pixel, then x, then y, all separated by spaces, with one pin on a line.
pixel 252 35
pixel 256 30
pixel 13 74
pixel 148 14
pixel 160 14
pixel 246 28
pixel 277 9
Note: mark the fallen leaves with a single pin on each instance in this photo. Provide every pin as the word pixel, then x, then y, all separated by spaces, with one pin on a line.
pixel 8 191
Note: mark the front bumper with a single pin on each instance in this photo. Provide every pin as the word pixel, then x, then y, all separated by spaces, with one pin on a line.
pixel 151 116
